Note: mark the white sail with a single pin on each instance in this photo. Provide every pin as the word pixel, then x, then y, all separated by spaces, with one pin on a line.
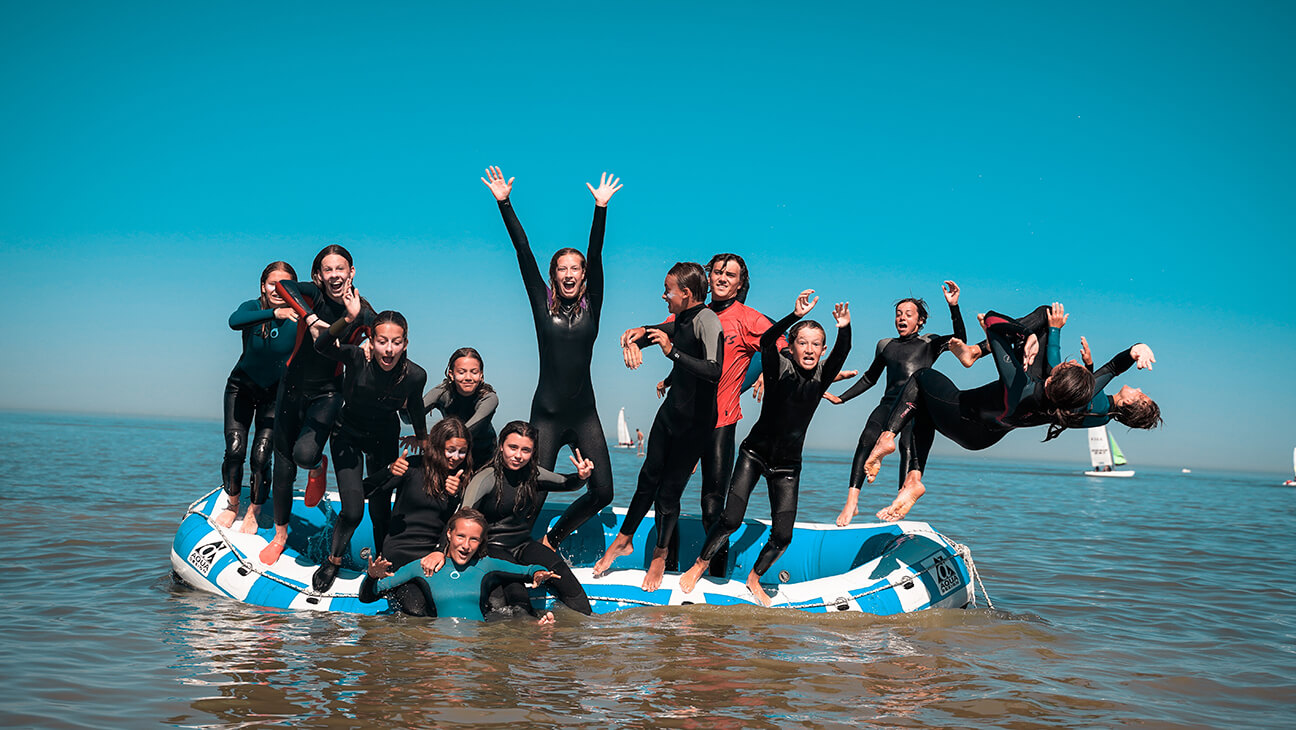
pixel 1099 451
pixel 623 431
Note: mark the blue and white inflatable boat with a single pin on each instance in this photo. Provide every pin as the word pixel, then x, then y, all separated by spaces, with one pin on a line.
pixel 882 569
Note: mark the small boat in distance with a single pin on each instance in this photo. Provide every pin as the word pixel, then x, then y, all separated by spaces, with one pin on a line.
pixel 1104 454
pixel 1185 471
pixel 1292 482
pixel 623 432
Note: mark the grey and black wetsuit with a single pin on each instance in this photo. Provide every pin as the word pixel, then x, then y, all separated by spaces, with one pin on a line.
pixel 250 395
pixel 474 410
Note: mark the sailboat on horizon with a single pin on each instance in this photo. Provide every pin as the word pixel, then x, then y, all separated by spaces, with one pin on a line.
pixel 1104 453
pixel 623 431
pixel 1292 482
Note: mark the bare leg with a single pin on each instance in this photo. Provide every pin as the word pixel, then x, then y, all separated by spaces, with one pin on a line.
pixel 270 554
pixel 850 509
pixel 251 523
pixel 913 489
pixel 885 446
pixel 966 354
pixel 656 569
pixel 622 545
pixel 226 517
pixel 753 585
pixel 690 577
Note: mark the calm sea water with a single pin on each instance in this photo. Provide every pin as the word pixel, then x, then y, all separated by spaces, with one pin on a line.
pixel 1166 600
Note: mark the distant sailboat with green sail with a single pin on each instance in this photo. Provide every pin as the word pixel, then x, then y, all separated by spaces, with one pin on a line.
pixel 1105 454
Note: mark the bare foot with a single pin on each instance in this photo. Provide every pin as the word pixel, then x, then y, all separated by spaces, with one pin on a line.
pixel 965 353
pixel 690 578
pixel 753 585
pixel 547 619
pixel 270 554
pixel 656 569
pixel 850 509
pixel 251 523
pixel 885 446
pixel 226 517
pixel 622 545
pixel 904 501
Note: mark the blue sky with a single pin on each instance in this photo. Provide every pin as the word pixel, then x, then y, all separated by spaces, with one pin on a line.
pixel 1132 161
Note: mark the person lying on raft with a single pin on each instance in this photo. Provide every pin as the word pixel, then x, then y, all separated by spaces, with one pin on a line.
pixel 460 591
pixel 375 387
pixel 900 356
pixel 465 394
pixel 743 326
pixel 269 327
pixel 794 387
pixel 977 419
pixel 684 422
pixel 566 315
pixel 310 393
pixel 510 491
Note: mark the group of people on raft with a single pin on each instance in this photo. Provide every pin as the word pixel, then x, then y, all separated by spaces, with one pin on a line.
pixel 320 365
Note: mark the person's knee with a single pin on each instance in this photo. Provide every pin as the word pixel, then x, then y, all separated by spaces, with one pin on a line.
pixel 262 448
pixel 350 514
pixel 306 454
pixel 235 445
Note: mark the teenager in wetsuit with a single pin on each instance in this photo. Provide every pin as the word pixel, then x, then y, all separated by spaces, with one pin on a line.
pixel 310 393
pixel 566 314
pixel 793 388
pixel 743 326
pixel 684 422
pixel 268 326
pixel 510 491
pixel 977 419
pixel 368 429
pixel 901 356
pixel 465 394
pixel 459 591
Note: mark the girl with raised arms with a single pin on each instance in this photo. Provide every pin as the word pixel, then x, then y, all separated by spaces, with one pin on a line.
pixel 269 329
pixel 566 312
pixel 793 388
pixel 465 394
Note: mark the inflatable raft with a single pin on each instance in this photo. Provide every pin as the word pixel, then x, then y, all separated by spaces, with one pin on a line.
pixel 881 569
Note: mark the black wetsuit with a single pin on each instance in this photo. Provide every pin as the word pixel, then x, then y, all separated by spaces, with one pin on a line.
pixel 418 519
pixel 773 447
pixel 684 422
pixel 250 396
pixel 511 524
pixel 368 430
pixel 1100 406
pixel 474 410
pixel 563 408
pixel 310 393
pixel 901 357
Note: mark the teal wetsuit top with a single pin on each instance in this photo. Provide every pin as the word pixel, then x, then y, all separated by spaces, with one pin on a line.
pixel 460 592
pixel 1100 407
pixel 265 350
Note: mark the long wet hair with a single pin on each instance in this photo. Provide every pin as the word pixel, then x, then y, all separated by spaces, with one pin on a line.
pixel 436 469
pixel 920 304
pixel 555 301
pixel 402 366
pixel 448 383
pixel 1068 390
pixel 1144 413
pixel 273 266
pixel 527 502
pixel 690 275
pixel 744 281
pixel 471 515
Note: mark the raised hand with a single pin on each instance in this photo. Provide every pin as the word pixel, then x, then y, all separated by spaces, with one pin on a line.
pixel 841 313
pixel 804 304
pixel 351 298
pixel 380 568
pixel 1085 354
pixel 1057 316
pixel 608 185
pixel 495 181
pixel 584 467
pixel 453 481
pixel 1142 355
pixel 401 465
pixel 951 292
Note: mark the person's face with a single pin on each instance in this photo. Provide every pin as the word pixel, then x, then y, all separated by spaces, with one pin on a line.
pixel 272 294
pixel 1127 395
pixel 676 298
pixel 465 538
pixel 807 347
pixel 456 452
pixel 726 278
pixel 335 276
pixel 569 274
pixel 466 373
pixel 388 344
pixel 906 319
pixel 517 450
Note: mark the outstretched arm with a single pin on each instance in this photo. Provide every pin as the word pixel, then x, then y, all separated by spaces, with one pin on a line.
pixel 608 185
pixel 951 291
pixel 841 348
pixel 869 378
pixel 531 276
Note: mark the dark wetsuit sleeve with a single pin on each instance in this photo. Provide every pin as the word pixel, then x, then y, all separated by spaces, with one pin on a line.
pixel 414 403
pixel 1120 363
pixel 837 357
pixel 537 291
pixel 478 487
pixel 668 327
pixel 487 403
pixel 708 366
pixel 771 360
pixel 433 397
pixel 594 259
pixel 547 481
pixel 406 573
pixel 328 346
pixel 295 294
pixel 1001 332
pixel 940 343
pixel 250 314
pixel 870 376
